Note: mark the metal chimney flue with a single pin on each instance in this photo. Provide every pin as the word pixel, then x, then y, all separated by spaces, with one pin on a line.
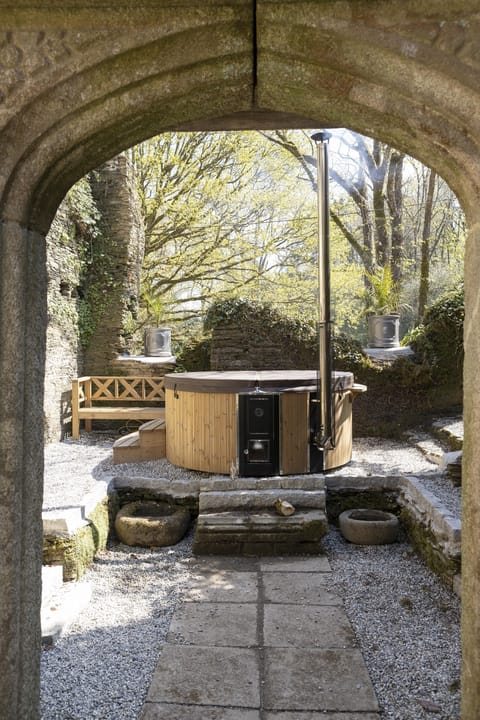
pixel 324 438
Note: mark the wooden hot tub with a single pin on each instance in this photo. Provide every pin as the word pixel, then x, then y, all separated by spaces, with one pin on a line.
pixel 214 421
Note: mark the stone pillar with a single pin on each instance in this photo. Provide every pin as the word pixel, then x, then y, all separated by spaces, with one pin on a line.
pixel 471 483
pixel 22 357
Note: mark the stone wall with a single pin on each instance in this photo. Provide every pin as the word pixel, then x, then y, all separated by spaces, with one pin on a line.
pixel 250 336
pixel 235 348
pixel 95 250
pixel 113 277
pixel 65 249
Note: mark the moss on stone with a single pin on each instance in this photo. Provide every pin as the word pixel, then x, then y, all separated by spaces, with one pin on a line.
pixel 128 495
pixel 77 552
pixel 340 500
pixel 424 542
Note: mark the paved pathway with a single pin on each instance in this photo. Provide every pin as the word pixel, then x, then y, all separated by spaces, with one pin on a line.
pixel 261 639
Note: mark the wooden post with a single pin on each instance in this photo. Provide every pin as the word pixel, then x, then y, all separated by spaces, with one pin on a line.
pixel 87 389
pixel 75 406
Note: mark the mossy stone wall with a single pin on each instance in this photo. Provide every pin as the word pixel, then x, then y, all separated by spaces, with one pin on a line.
pixel 77 552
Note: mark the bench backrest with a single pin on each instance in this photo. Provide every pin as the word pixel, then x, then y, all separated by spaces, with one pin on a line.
pixel 108 388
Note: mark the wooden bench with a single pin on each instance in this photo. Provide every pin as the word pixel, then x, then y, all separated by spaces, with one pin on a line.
pixel 102 397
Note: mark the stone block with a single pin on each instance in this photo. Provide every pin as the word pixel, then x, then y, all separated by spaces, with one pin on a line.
pixel 63 523
pixel 256 499
pixel 169 711
pixel 176 489
pixel 284 482
pixel 223 586
pixel 308 626
pixel 206 676
pixel 361 483
pixel 215 624
pixel 309 715
pixel 317 679
pixel 299 588
pixel 63 610
pixel 317 564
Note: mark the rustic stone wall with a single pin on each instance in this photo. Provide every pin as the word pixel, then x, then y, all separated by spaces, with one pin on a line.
pixel 240 348
pixel 94 254
pixel 112 283
pixel 65 250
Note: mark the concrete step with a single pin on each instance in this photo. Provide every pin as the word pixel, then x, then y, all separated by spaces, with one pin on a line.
pixel 256 532
pixel 219 500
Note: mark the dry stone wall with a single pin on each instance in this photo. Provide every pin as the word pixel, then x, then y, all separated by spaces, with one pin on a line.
pixel 255 346
pixel 113 280
pixel 65 249
pixel 95 250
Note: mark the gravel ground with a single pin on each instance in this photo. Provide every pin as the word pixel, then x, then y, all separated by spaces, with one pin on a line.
pixel 407 623
pixel 103 665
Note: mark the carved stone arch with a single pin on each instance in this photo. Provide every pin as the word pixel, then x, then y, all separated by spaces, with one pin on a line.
pixel 81 80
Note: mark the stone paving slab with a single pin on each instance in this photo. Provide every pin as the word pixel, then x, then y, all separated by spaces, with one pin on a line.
pixel 318 563
pixel 195 675
pixel 282 715
pixel 287 652
pixel 299 588
pixel 156 711
pixel 217 624
pixel 312 679
pixel 223 586
pixel 225 563
pixel 303 626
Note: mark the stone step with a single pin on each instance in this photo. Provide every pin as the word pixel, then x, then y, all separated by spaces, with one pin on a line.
pixel 279 482
pixel 219 500
pixel 432 450
pixel 450 431
pixel 262 533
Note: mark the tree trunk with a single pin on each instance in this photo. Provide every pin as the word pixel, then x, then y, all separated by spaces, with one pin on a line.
pixel 425 247
pixel 395 202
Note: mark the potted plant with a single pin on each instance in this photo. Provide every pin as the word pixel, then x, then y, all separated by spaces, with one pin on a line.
pixel 383 309
pixel 156 339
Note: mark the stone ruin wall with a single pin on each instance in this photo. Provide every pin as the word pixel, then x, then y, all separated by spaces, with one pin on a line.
pixel 116 284
pixel 115 207
pixel 64 353
pixel 258 348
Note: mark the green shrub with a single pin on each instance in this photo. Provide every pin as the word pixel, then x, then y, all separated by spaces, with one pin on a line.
pixel 256 314
pixel 194 354
pixel 438 341
pixel 348 353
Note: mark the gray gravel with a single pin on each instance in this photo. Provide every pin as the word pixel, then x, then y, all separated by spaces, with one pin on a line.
pixel 406 622
pixel 407 625
pixel 103 665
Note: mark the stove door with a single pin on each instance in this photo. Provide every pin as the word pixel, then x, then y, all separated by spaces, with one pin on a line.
pixel 258 427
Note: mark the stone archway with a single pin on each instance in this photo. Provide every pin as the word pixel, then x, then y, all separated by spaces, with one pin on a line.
pixel 82 80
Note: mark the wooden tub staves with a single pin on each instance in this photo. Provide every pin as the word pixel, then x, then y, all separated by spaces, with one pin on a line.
pixel 207 428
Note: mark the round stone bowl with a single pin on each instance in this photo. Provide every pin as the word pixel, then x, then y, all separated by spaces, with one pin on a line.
pixel 147 523
pixel 368 527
